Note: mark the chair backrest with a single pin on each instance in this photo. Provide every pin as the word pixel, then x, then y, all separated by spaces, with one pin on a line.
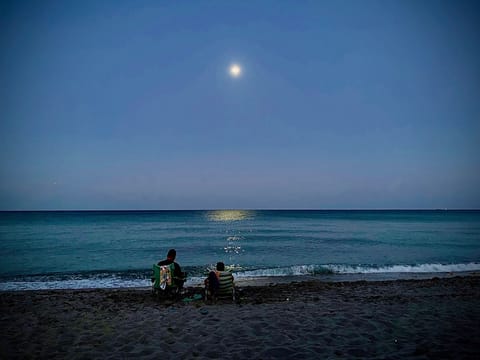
pixel 163 275
pixel 225 279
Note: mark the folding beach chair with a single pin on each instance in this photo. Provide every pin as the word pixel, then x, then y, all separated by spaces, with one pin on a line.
pixel 164 282
pixel 225 288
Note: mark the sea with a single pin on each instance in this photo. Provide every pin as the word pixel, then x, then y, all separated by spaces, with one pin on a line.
pixel 117 249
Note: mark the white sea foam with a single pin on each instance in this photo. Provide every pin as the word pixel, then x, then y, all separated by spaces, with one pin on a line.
pixel 108 281
pixel 359 269
pixel 420 268
pixel 105 283
pixel 282 271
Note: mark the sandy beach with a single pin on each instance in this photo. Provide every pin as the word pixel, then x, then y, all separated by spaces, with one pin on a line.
pixel 417 319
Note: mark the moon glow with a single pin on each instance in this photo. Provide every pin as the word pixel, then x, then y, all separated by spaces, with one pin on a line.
pixel 235 70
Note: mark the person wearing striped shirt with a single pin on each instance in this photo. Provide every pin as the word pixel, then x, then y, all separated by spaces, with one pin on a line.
pixel 220 282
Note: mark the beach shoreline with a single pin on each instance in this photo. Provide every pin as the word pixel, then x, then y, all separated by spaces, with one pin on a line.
pixel 421 319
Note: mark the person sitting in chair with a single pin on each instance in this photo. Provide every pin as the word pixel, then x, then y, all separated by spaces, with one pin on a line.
pixel 220 283
pixel 177 273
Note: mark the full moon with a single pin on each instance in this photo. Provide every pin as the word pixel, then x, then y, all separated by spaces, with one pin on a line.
pixel 235 70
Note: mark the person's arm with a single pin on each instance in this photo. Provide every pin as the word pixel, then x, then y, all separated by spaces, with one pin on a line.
pixel 178 270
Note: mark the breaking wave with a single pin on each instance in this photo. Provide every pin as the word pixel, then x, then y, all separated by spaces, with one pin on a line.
pixel 330 269
pixel 141 279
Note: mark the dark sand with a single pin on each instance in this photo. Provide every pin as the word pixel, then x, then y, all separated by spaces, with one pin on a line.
pixel 413 319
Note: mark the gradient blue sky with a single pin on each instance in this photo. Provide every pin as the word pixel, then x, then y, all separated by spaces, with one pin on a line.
pixel 342 104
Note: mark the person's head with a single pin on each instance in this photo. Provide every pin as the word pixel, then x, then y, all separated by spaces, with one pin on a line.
pixel 220 266
pixel 171 254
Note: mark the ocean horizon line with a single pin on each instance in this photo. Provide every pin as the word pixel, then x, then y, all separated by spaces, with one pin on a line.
pixel 241 209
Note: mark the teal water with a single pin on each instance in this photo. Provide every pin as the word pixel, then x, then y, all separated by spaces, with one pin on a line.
pixel 117 248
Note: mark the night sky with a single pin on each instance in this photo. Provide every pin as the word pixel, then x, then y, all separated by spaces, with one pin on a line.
pixel 339 105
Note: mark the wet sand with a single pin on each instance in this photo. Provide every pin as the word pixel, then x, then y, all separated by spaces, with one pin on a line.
pixel 413 319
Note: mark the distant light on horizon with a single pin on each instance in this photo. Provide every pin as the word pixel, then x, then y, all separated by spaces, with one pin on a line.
pixel 235 70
